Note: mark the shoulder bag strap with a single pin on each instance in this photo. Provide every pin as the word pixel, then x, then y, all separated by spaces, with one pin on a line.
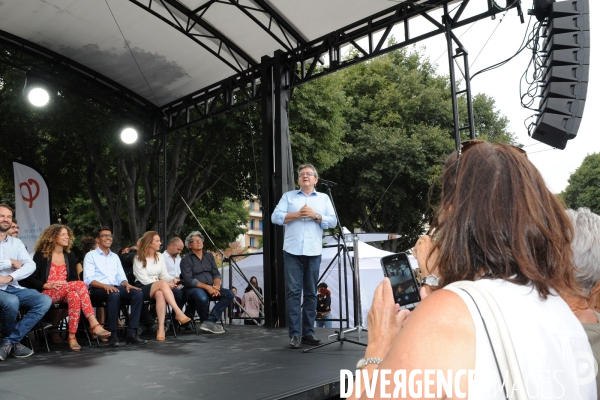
pixel 499 338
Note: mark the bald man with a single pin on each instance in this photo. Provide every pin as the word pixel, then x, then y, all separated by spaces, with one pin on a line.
pixel 172 258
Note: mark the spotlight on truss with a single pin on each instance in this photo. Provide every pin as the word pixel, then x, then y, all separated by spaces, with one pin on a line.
pixel 129 135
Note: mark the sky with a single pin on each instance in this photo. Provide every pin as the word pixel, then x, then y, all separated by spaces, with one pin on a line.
pixel 503 85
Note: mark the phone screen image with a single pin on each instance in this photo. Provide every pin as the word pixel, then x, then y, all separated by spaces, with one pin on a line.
pixel 404 286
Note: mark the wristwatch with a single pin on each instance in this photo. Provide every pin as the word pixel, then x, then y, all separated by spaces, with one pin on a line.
pixel 317 216
pixel 430 280
pixel 363 362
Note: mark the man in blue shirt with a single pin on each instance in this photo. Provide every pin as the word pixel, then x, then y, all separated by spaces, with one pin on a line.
pixel 103 273
pixel 16 264
pixel 305 213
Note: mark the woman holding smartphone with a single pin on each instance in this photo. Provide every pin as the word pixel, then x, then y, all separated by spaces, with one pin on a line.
pixel 500 227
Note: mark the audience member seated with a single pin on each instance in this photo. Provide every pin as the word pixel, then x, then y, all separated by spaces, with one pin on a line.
pixel 56 276
pixel 15 265
pixel 89 243
pixel 323 306
pixel 151 272
pixel 14 228
pixel 104 275
pixel 236 311
pixel 251 303
pixel 202 280
pixel 172 258
pixel 497 225
pixel 586 255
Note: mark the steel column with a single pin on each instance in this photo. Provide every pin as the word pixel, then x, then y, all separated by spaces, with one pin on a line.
pixel 448 25
pixel 278 177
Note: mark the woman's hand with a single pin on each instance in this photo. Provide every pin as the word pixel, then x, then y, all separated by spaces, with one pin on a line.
pixel 421 253
pixel 385 320
pixel 54 285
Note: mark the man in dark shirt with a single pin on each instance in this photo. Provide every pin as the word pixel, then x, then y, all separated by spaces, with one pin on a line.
pixel 202 280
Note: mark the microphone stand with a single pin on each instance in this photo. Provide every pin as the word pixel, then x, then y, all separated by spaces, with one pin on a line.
pixel 341 334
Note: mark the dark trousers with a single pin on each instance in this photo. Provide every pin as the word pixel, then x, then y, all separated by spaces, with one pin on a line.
pixel 113 302
pixel 200 300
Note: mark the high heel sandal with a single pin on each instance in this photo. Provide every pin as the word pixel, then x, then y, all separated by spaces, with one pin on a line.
pixel 160 338
pixel 184 320
pixel 103 334
pixel 73 345
pixel 94 336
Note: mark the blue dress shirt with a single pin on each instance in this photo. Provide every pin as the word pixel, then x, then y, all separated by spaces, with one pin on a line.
pixel 106 269
pixel 304 236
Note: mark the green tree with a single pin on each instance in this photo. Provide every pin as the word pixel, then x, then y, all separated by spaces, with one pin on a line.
pixel 224 223
pixel 400 130
pixel 317 122
pixel 490 125
pixel 584 185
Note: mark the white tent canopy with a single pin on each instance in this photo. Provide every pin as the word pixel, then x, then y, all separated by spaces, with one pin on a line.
pixel 370 269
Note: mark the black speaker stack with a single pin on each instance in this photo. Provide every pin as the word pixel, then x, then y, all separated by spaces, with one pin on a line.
pixel 566 71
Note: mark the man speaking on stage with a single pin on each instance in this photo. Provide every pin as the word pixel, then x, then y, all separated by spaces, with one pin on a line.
pixel 304 213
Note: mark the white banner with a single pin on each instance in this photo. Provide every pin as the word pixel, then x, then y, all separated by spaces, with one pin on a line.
pixel 32 204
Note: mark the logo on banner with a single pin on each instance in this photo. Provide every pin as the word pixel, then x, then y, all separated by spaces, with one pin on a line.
pixel 31 196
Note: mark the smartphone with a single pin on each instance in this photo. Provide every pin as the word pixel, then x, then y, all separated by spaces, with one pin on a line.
pixel 404 284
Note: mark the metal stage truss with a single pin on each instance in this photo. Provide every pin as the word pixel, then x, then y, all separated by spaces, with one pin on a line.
pixel 301 62
pixel 268 80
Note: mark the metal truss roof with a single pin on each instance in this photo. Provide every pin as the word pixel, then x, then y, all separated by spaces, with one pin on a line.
pixel 169 55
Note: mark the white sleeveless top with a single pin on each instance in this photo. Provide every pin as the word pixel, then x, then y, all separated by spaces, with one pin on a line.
pixel 553 351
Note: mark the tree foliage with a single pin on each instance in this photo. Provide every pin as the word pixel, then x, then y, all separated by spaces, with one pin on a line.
pixel 584 185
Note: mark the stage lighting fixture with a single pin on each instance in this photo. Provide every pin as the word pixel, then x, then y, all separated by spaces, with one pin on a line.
pixel 38 97
pixel 566 72
pixel 36 89
pixel 500 4
pixel 129 135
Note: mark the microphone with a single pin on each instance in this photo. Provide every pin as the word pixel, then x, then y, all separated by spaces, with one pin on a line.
pixel 327 183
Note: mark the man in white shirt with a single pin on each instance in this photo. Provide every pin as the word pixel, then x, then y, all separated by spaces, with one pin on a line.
pixel 172 258
pixel 16 264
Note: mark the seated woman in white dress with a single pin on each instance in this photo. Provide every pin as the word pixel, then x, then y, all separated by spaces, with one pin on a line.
pixel 150 271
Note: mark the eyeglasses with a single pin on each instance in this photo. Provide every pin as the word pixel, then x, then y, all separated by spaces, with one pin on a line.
pixel 306 174
pixel 196 241
pixel 106 235
pixel 467 144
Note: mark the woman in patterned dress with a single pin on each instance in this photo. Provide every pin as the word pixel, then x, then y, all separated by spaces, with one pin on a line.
pixel 56 276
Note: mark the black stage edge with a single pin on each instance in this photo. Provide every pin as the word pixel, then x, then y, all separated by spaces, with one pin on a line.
pixel 246 362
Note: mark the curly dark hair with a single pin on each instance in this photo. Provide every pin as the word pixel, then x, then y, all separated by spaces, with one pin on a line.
pixel 47 239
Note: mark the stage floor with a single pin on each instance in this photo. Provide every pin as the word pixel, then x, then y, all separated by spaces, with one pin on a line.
pixel 246 362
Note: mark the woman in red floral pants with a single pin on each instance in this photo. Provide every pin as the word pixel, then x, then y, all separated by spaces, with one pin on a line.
pixel 56 276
